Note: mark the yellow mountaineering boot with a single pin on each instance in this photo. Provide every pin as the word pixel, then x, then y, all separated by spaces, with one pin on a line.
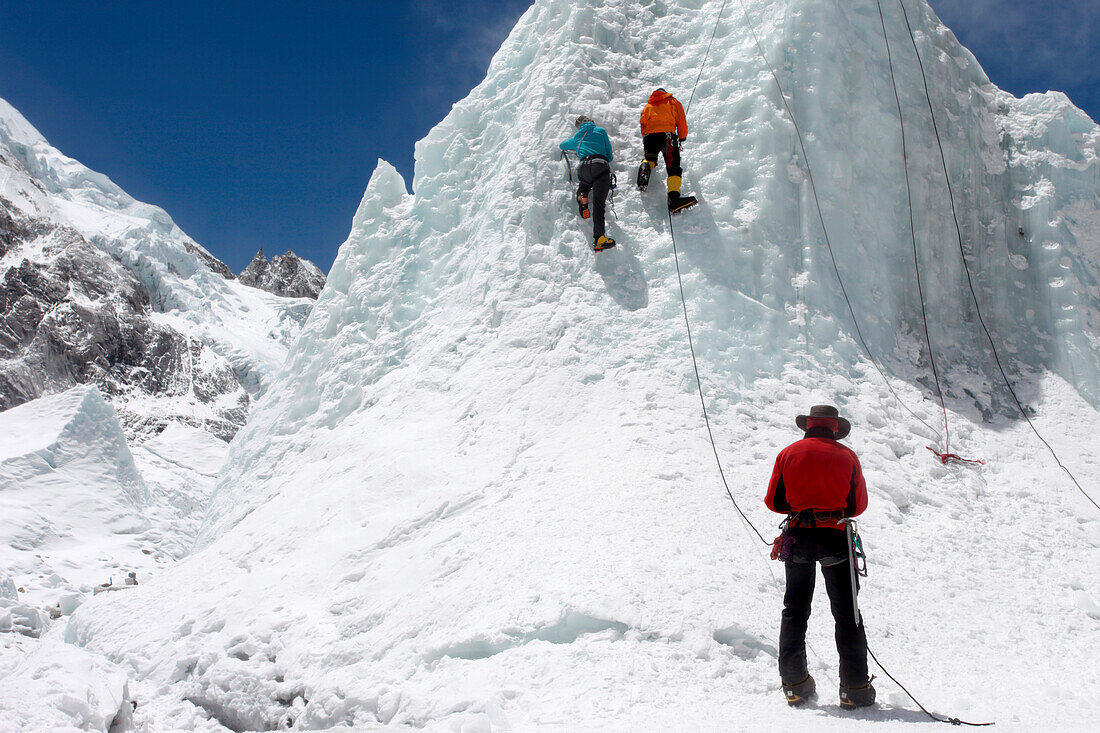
pixel 676 202
pixel 603 243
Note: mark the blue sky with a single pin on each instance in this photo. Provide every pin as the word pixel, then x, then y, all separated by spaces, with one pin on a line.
pixel 258 123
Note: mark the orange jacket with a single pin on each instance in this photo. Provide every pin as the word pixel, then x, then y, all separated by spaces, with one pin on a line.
pixel 664 113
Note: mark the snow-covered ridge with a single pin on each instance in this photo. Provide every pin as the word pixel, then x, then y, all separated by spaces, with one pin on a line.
pixel 98 287
pixel 479 495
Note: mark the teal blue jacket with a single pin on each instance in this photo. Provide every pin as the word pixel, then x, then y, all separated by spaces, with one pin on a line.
pixel 589 140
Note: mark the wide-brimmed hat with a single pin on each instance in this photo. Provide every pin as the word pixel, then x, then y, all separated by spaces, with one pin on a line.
pixel 825 412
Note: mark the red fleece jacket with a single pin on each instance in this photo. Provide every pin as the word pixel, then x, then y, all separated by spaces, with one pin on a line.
pixel 817 473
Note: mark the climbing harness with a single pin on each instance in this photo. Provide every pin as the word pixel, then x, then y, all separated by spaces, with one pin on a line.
pixel 966 267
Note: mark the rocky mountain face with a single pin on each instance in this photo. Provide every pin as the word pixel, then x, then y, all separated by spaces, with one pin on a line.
pixel 98 288
pixel 71 314
pixel 287 274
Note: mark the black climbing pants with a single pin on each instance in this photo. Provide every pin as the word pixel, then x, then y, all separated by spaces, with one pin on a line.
pixel 595 177
pixel 667 144
pixel 829 547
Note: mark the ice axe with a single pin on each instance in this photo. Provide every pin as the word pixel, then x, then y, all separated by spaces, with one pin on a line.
pixel 855 550
pixel 568 166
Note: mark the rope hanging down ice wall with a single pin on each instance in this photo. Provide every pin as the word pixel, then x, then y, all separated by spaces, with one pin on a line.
pixel 962 254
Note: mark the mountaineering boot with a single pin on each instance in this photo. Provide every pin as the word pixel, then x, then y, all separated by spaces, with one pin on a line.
pixel 677 203
pixel 582 203
pixel 643 174
pixel 603 243
pixel 800 692
pixel 857 697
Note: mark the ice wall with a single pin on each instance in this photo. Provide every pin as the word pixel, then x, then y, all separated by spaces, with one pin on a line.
pixel 490 232
pixel 479 493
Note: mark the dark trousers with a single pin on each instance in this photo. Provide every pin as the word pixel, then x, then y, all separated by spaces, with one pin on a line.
pixel 666 144
pixel 595 178
pixel 851 639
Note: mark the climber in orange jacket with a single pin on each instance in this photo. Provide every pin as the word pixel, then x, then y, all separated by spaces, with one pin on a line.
pixel 664 128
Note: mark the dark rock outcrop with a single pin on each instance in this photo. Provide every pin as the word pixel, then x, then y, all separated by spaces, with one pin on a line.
pixel 286 274
pixel 210 260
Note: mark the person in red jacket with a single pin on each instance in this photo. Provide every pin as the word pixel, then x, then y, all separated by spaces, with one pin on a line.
pixel 817 481
pixel 664 128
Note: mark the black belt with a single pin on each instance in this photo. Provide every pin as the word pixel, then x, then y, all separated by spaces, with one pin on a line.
pixel 810 517
pixel 589 158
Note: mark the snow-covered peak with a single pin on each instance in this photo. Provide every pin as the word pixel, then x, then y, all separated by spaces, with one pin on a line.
pixel 87 200
pixel 480 494
pixel 14 127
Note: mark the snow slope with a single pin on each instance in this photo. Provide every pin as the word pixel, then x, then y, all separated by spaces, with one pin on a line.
pixel 79 509
pixel 480 496
pixel 60 687
pixel 68 484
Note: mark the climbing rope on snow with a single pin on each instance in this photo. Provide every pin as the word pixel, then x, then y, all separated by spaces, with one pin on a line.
pixel 706 55
pixel 966 267
pixel 699 384
pixel 944 458
pixel 933 716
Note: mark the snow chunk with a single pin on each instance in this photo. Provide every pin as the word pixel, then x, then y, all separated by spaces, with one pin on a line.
pixel 58 687
pixel 70 492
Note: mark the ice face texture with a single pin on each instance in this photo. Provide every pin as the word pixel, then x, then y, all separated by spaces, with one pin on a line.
pixel 479 493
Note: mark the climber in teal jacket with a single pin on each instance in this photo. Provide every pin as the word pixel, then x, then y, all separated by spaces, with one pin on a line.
pixel 594 172
pixel 589 140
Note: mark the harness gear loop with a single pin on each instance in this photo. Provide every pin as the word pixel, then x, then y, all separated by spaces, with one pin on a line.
pixel 781 545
